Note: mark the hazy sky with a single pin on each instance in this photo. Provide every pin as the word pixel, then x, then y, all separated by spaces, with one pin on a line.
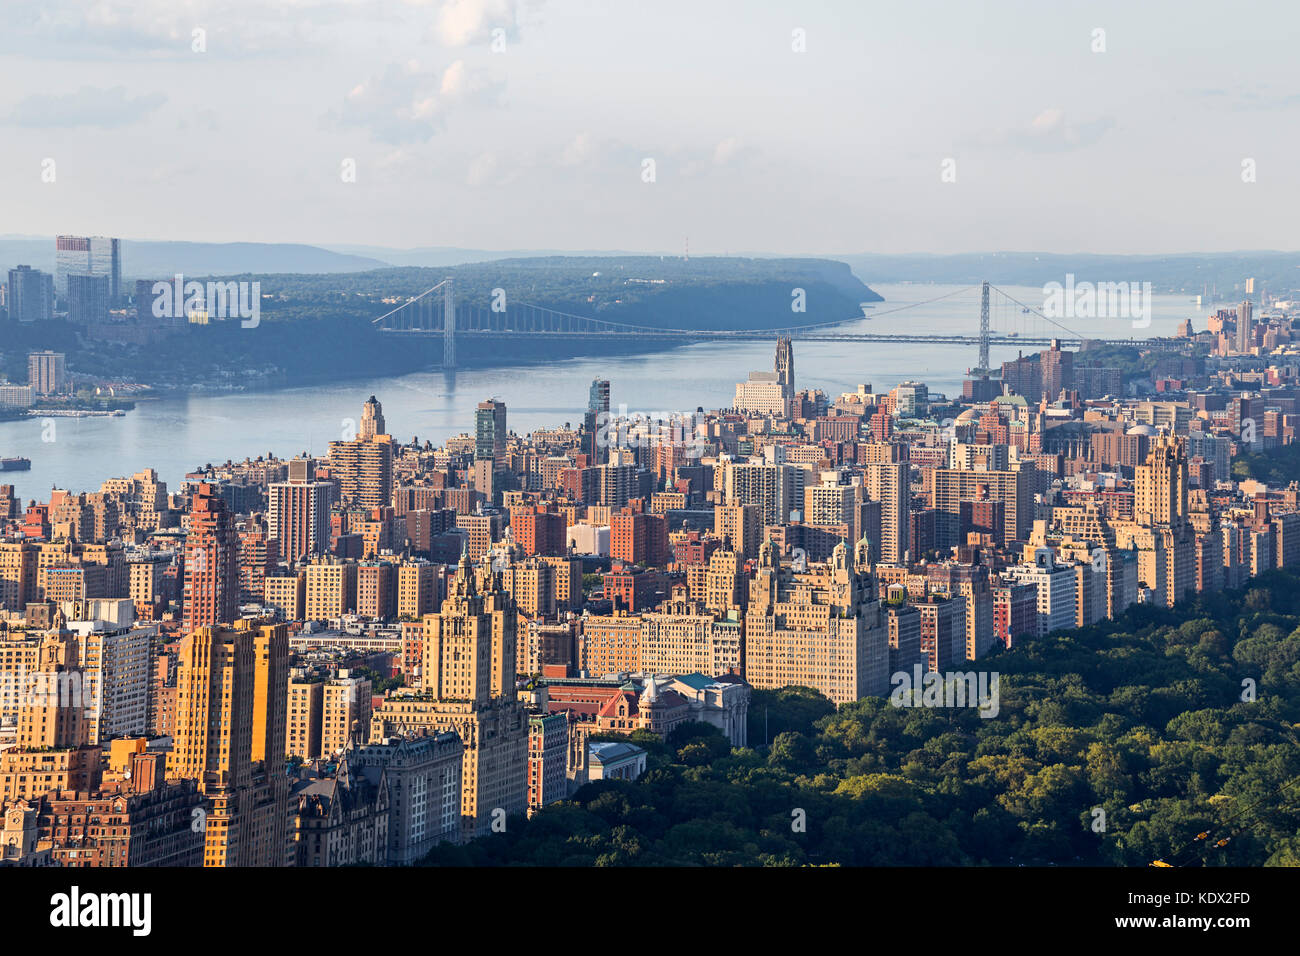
pixel 757 147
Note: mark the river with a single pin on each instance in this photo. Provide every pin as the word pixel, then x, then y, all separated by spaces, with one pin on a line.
pixel 176 433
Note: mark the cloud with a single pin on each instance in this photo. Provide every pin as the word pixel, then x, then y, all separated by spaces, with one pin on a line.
pixel 460 84
pixel 727 150
pixel 483 169
pixel 1261 98
pixel 578 152
pixel 89 106
pixel 461 22
pixel 408 103
pixel 1052 130
pixel 165 29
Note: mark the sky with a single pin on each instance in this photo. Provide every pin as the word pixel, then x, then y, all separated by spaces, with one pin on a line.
pixel 813 127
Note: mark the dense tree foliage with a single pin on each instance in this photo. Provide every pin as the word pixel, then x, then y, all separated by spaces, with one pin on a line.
pixel 1142 719
pixel 1277 466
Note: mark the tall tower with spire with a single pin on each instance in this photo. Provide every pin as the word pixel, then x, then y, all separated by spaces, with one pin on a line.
pixel 468 686
pixel 372 419
pixel 785 368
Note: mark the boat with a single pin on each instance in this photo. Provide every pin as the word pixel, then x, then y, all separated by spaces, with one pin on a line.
pixel 15 464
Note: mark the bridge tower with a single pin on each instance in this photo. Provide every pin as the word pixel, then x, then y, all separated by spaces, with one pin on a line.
pixel 448 325
pixel 984 327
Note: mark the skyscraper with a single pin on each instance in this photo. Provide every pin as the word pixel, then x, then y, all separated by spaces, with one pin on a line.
pixel 1057 370
pixel 31 295
pixel 88 299
pixel 53 751
pixel 490 433
pixel 1161 485
pixel 594 419
pixel 890 484
pixel 211 562
pixel 820 627
pixel 299 510
pixel 468 686
pixel 785 369
pixel 88 255
pixel 47 372
pixel 598 395
pixel 363 466
pixel 231 715
pixel 777 489
pixel 372 419
pixel 1245 326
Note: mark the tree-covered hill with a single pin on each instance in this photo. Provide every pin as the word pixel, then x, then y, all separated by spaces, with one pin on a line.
pixel 319 326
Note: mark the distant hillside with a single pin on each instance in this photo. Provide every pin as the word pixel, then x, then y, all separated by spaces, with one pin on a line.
pixel 1276 271
pixel 667 292
pixel 150 259
pixel 441 256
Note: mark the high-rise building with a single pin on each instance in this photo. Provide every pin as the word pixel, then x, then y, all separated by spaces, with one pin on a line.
pixel 776 488
pixel 1057 590
pixel 468 686
pixel 490 433
pixel 211 562
pixel 639 538
pixel 47 372
pixel 417 588
pixel 331 588
pixel 303 718
pixel 821 627
pixel 231 716
pixel 259 556
pixel 1160 495
pixel 299 511
pixel 682 638
pixel 1057 370
pixel 424 788
pixel 31 295
pixel 890 484
pixel 761 394
pixel 595 423
pixel 88 299
pixel 742 525
pixel 372 419
pixel 538 531
pixel 345 713
pixel 1015 489
pixel 829 503
pixel 785 369
pixel 1245 326
pixel 88 255
pixel 615 485
pixel 116 662
pixel 363 466
pixel 548 748
pixel 52 750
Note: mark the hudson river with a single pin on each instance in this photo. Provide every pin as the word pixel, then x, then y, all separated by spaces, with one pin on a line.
pixel 178 433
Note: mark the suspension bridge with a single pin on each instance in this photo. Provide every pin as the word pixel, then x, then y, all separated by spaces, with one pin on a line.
pixel 1003 321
